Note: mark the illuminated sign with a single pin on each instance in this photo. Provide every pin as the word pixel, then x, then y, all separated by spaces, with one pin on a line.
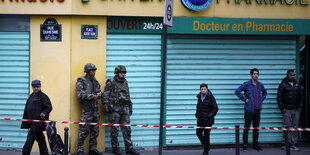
pixel 196 5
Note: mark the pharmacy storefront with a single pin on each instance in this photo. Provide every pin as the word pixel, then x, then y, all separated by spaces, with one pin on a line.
pixel 213 42
pixel 217 51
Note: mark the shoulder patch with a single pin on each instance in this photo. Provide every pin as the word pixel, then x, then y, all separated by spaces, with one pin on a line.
pixel 108 80
pixel 81 78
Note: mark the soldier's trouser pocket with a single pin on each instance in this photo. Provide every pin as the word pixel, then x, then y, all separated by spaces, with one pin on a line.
pixel 114 117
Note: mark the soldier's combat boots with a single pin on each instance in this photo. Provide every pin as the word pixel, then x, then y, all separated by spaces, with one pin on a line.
pixel 132 151
pixel 80 153
pixel 117 152
pixel 94 152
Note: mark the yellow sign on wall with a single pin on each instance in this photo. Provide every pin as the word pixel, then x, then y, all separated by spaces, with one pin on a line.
pixel 267 9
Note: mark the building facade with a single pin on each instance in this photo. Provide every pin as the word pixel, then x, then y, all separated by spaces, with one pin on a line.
pixel 51 40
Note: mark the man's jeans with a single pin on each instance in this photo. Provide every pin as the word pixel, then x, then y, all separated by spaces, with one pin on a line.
pixel 248 118
pixel 291 120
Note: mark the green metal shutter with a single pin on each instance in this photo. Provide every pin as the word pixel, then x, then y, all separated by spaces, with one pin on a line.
pixel 14 86
pixel 141 54
pixel 224 62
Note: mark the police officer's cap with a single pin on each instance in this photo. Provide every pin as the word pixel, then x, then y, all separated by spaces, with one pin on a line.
pixel 36 82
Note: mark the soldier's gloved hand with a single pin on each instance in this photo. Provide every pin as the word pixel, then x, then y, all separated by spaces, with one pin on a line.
pixel 105 112
pixel 98 95
pixel 130 112
pixel 122 100
pixel 130 109
pixel 105 109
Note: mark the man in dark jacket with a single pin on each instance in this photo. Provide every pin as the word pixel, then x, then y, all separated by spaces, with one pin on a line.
pixel 290 98
pixel 205 113
pixel 253 97
pixel 38 107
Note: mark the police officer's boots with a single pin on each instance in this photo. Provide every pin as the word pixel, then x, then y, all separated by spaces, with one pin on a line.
pixel 132 151
pixel 94 152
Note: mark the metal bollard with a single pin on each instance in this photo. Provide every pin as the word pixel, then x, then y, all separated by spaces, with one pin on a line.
pixel 66 140
pixel 287 144
pixel 237 139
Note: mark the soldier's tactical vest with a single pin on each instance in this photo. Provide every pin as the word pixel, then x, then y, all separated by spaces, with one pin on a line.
pixel 87 85
pixel 89 88
pixel 120 92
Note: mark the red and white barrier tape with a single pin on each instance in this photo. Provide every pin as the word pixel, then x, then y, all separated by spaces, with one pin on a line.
pixel 157 126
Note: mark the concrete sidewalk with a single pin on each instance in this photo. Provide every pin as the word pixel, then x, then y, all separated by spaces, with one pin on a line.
pixel 216 151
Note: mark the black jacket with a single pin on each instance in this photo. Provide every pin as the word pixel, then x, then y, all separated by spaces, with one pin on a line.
pixel 41 104
pixel 206 109
pixel 289 97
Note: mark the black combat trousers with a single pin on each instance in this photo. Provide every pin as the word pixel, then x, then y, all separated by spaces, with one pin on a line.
pixel 35 134
pixel 248 118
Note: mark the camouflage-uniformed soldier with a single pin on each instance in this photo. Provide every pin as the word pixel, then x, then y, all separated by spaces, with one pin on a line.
pixel 118 106
pixel 88 93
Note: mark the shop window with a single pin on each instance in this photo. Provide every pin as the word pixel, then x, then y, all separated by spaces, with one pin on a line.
pixel 15 23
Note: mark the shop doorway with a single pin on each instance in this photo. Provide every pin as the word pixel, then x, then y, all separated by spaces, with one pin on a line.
pixel 14 77
pixel 141 54
pixel 304 59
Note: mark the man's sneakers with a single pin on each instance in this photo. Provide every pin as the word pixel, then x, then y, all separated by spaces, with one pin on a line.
pixel 257 148
pixel 283 147
pixel 244 147
pixel 295 148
